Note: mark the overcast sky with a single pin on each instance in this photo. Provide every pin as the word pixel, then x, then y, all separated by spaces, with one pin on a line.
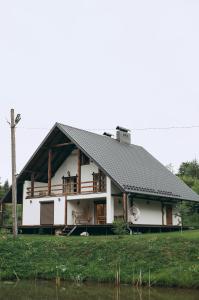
pixel 99 64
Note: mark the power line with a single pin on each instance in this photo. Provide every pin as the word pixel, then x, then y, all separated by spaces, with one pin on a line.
pixel 35 128
pixel 168 128
pixel 113 129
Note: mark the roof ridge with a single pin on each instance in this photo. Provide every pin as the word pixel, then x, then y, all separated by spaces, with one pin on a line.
pixel 97 134
pixel 80 129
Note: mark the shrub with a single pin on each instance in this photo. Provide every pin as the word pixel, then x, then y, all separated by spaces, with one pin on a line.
pixel 4 233
pixel 119 227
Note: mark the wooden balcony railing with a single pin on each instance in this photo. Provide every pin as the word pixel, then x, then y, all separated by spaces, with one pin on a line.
pixel 70 188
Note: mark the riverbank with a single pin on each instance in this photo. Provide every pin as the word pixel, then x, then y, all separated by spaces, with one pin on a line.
pixel 40 290
pixel 165 259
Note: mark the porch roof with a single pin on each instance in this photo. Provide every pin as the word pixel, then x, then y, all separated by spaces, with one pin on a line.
pixel 131 167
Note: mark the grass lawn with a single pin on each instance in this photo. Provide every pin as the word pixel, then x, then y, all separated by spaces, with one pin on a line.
pixel 162 259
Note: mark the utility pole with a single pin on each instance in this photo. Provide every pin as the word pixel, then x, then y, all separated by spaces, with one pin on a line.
pixel 13 123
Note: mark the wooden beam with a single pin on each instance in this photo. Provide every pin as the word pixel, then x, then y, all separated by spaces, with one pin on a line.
pixel 32 184
pixel 49 171
pixel 62 145
pixel 124 198
pixel 79 172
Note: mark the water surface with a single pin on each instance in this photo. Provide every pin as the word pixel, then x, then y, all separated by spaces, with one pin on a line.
pixel 47 290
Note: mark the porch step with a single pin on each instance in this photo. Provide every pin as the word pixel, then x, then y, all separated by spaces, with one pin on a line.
pixel 68 231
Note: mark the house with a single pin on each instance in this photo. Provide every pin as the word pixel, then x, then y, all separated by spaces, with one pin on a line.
pixel 78 178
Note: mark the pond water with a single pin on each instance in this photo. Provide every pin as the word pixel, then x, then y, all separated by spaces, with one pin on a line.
pixel 43 290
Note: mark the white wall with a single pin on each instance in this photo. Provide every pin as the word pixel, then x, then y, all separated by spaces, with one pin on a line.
pixel 150 212
pixel 27 184
pixel 71 165
pixel 118 207
pixel 87 171
pixel 31 210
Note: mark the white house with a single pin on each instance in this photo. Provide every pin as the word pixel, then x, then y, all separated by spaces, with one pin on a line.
pixel 77 177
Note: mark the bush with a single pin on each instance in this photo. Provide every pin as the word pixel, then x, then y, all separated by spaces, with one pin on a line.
pixel 4 233
pixel 119 227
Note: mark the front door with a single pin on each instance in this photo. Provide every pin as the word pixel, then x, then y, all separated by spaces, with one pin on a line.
pixel 47 213
pixel 169 214
pixel 100 213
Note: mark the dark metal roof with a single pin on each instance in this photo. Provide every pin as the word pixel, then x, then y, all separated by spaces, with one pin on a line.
pixel 130 167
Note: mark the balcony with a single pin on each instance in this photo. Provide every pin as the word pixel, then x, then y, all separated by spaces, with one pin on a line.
pixel 66 189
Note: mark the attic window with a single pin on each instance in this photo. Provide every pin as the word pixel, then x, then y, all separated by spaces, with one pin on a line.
pixel 85 160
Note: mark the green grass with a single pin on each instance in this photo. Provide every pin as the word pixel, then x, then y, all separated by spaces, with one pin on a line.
pixel 171 258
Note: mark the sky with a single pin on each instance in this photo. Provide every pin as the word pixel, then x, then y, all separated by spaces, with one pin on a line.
pixel 97 64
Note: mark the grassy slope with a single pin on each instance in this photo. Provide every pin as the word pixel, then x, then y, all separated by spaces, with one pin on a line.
pixel 173 258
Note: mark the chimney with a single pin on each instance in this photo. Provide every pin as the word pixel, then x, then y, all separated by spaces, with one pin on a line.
pixel 107 134
pixel 123 135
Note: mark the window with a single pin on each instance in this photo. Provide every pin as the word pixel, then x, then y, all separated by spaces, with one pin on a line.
pixel 69 184
pixel 85 160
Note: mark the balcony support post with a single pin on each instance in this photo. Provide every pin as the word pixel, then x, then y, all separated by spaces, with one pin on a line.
pixel 125 209
pixel 32 184
pixel 49 171
pixel 79 172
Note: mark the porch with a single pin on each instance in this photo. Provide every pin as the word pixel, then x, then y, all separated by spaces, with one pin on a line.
pixel 87 212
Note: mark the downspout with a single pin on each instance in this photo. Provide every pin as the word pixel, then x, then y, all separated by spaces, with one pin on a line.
pixel 127 223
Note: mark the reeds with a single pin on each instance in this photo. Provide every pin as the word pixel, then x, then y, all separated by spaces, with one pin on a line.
pixel 57 279
pixel 138 280
pixel 117 276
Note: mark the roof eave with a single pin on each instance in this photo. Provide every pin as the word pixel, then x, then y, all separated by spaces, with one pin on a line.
pixel 161 195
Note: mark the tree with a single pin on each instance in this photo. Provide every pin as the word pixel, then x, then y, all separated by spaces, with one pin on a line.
pixel 189 173
pixel 4 188
pixel 1 191
pixel 189 168
pixel 7 211
pixel 6 217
